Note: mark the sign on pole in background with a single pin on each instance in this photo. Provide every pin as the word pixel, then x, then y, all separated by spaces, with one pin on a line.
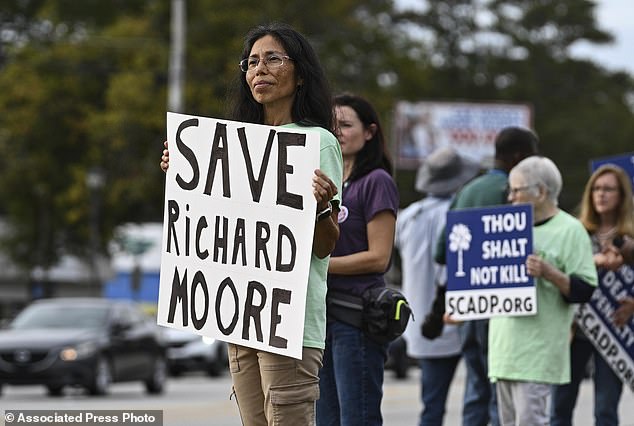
pixel 486 251
pixel 624 161
pixel 237 232
pixel 470 128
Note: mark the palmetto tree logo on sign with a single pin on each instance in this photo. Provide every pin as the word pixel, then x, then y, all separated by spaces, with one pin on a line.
pixel 459 241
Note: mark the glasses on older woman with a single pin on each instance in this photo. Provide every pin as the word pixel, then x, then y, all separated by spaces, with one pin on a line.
pixel 271 61
pixel 514 191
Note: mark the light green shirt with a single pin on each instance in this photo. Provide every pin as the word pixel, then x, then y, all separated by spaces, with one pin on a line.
pixel 331 163
pixel 537 348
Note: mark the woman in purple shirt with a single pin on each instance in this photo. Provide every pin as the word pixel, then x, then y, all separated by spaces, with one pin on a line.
pixel 351 378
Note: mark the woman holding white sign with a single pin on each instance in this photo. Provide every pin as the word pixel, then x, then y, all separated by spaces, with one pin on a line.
pixel 281 83
pixel 529 354
pixel 607 212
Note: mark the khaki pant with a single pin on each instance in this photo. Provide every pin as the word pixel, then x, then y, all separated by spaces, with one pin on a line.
pixel 275 390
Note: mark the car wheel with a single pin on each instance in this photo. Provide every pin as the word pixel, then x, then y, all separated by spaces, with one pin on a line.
pixel 400 369
pixel 175 371
pixel 102 378
pixel 55 390
pixel 213 370
pixel 219 363
pixel 156 383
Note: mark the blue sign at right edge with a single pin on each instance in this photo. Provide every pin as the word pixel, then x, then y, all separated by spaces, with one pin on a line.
pixel 624 161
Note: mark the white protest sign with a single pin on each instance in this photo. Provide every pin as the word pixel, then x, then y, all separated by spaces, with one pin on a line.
pixel 487 249
pixel 237 232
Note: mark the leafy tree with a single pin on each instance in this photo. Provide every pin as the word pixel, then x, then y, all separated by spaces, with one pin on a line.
pixel 83 87
pixel 60 75
pixel 519 51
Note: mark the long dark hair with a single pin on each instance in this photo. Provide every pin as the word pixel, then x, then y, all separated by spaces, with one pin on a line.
pixel 373 155
pixel 312 105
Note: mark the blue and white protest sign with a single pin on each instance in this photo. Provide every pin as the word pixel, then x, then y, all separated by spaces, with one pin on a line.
pixel 486 262
pixel 615 344
pixel 238 231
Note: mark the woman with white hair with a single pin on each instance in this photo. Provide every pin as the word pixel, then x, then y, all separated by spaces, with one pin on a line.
pixel 529 354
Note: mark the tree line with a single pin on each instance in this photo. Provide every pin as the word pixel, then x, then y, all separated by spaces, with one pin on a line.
pixel 83 89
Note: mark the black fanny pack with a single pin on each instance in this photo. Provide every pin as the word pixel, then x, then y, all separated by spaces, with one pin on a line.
pixel 382 313
pixel 345 307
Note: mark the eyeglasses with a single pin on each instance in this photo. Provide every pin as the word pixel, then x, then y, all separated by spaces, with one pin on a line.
pixel 606 189
pixel 272 61
pixel 514 191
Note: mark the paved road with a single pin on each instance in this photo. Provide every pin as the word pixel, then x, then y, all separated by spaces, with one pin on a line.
pixel 197 400
pixel 401 402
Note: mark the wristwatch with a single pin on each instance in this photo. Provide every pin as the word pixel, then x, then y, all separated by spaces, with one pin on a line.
pixel 325 213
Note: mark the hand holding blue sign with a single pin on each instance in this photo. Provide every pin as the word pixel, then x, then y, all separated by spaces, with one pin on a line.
pixel 609 258
pixel 624 312
pixel 539 268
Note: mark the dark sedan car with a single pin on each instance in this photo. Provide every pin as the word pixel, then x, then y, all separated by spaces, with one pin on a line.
pixel 82 342
pixel 187 351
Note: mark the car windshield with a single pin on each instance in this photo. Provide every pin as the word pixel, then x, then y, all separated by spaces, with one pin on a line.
pixel 41 316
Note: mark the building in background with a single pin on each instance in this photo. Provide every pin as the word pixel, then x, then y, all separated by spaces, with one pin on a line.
pixel 132 272
pixel 136 263
pixel 70 277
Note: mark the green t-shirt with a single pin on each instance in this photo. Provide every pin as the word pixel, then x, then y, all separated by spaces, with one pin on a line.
pixel 537 348
pixel 331 163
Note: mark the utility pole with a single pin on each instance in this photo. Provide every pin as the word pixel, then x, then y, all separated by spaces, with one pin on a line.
pixel 176 71
pixel 95 181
